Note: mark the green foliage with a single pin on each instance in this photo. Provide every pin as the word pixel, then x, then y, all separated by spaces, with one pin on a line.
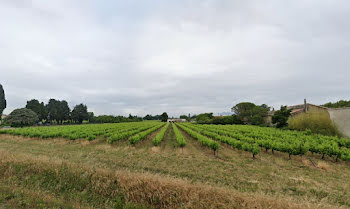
pixel 113 119
pixel 280 118
pixel 250 113
pixel 80 113
pixel 179 137
pixel 252 138
pixel 317 122
pixel 140 136
pixel 223 120
pixel 204 118
pixel 22 117
pixel 159 137
pixel 164 117
pixel 215 134
pixel 113 132
pixel 91 116
pixel 185 117
pixel 38 108
pixel 151 117
pixel 2 100
pixel 339 104
pixel 58 110
pixel 202 139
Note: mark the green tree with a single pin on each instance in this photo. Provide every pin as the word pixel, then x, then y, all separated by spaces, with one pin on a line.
pixel 64 111
pixel 91 117
pixel 185 117
pixel 250 113
pixel 204 118
pixel 2 100
pixel 339 104
pixel 80 113
pixel 280 118
pixel 52 109
pixel 223 120
pixel 38 108
pixel 164 117
pixel 58 110
pixel 22 117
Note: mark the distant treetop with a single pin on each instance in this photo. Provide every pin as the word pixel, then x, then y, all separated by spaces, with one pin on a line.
pixel 339 104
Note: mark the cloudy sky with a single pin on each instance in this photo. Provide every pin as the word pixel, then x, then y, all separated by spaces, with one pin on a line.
pixel 184 56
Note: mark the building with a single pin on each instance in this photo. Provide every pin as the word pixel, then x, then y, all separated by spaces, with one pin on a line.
pixel 339 116
pixel 306 107
pixel 176 120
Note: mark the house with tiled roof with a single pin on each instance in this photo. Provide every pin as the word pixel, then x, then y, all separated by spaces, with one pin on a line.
pixel 339 116
pixel 306 107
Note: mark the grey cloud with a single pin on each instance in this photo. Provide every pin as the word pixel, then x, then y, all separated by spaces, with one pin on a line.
pixel 181 57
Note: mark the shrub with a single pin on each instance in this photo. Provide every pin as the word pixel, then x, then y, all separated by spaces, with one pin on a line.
pixel 280 118
pixel 22 117
pixel 317 122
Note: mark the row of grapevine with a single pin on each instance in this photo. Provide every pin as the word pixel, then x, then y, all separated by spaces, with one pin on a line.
pixel 241 145
pixel 296 144
pixel 202 139
pixel 159 137
pixel 138 137
pixel 179 137
pixel 90 131
pixel 126 133
pixel 291 142
pixel 263 132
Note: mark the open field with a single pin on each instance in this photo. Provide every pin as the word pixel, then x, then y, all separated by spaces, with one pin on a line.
pixel 63 173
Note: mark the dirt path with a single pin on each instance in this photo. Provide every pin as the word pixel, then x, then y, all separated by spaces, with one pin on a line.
pixel 169 143
pixel 193 147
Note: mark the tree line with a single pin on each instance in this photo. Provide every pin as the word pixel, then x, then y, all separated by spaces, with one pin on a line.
pixel 59 112
pixel 339 104
pixel 246 113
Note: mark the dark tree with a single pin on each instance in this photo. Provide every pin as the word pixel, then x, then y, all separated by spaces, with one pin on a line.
pixel 91 117
pixel 204 118
pixel 80 113
pixel 2 100
pixel 339 104
pixel 64 111
pixel 151 117
pixel 148 117
pixel 185 117
pixel 58 110
pixel 223 120
pixel 38 108
pixel 52 109
pixel 280 118
pixel 22 117
pixel 243 109
pixel 250 113
pixel 164 117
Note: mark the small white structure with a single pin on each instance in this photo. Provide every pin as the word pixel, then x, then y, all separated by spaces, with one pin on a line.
pixel 176 120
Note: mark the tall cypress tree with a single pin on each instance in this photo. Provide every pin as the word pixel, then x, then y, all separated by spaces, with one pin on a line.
pixel 2 100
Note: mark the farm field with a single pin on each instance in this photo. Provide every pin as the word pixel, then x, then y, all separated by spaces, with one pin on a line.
pixel 153 164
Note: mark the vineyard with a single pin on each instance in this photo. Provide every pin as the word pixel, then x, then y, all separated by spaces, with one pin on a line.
pixel 252 139
pixel 247 138
pixel 246 166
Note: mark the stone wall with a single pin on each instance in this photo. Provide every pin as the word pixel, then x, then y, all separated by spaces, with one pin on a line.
pixel 341 118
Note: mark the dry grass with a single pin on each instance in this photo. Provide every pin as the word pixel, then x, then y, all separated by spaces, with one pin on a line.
pixel 316 121
pixel 154 190
pixel 193 178
pixel 323 165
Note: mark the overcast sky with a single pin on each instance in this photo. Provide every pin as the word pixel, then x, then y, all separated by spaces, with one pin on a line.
pixel 184 56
